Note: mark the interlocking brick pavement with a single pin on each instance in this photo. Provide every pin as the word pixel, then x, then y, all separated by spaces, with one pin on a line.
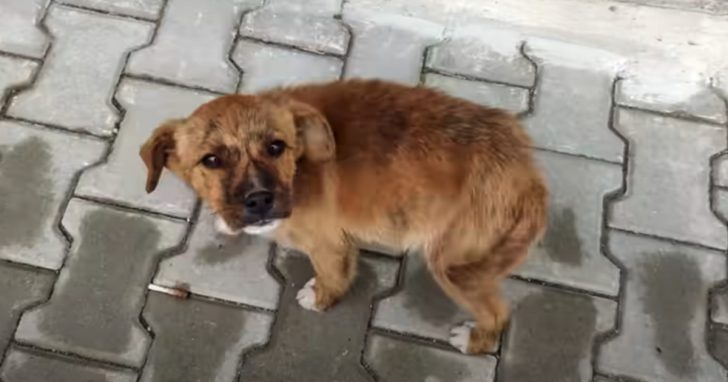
pixel 628 284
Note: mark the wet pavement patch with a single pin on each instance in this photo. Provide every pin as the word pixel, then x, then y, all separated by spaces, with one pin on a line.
pixel 672 283
pixel 562 242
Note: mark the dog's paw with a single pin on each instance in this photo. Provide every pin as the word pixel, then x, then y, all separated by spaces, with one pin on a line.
pixel 460 336
pixel 224 228
pixel 307 296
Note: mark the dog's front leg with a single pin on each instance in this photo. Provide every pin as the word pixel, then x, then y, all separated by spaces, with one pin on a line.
pixel 335 267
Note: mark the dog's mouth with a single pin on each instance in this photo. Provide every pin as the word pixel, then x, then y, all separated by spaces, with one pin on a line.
pixel 259 226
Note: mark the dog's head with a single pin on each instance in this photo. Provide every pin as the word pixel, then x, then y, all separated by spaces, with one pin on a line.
pixel 239 153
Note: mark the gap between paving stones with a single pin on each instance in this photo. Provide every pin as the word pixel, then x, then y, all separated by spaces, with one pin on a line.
pixel 234 42
pixel 107 12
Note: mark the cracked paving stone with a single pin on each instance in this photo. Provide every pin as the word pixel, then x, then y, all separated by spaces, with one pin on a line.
pixel 23 366
pixel 551 334
pixel 421 308
pixel 265 66
pixel 669 177
pixel 303 341
pixel 573 100
pixel 204 342
pixel 662 335
pixel 192 44
pixel 510 98
pixel 122 178
pixel 394 360
pixel 20 31
pixel 570 252
pixel 310 26
pixel 681 98
pixel 14 72
pixel 94 309
pixel 223 267
pixel 148 9
pixel 76 83
pixel 36 174
pixel 486 53
pixel 389 47
pixel 21 288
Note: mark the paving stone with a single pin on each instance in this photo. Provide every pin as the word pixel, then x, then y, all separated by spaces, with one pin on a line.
pixel 681 98
pixel 14 72
pixel 510 98
pixel 148 9
pixel 22 366
pixel 122 178
pixel 19 20
pixel 77 80
pixel 21 288
pixel 94 309
pixel 192 44
pixel 204 341
pixel 570 252
pixel 309 26
pixel 669 175
pixel 36 175
pixel 717 6
pixel 303 341
pixel 486 53
pixel 221 266
pixel 552 333
pixel 720 306
pixel 721 166
pixel 421 308
pixel 662 334
pixel 718 345
pixel 573 100
pixel 389 47
pixel 265 66
pixel 394 360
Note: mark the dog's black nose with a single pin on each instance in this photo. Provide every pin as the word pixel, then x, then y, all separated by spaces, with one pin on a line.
pixel 259 203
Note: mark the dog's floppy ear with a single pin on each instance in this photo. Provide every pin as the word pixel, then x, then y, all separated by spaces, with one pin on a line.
pixel 314 130
pixel 155 151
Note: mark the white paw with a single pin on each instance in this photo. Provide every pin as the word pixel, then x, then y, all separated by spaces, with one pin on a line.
pixel 307 296
pixel 460 336
pixel 224 228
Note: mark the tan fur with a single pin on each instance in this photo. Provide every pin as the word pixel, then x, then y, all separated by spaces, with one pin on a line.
pixel 409 168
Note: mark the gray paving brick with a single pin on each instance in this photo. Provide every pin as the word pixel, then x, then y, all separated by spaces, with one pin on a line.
pixel 14 72
pixel 96 302
pixel 389 47
pixel 204 341
pixel 716 6
pixel 395 360
pixel 21 288
pixel 551 334
pixel 149 9
pixel 669 174
pixel 192 44
pixel 77 80
pixel 573 100
pixel 421 308
pixel 265 66
pixel 310 25
pixel 20 33
pixel 720 306
pixel 683 98
pixel 224 267
pixel 122 178
pixel 320 346
pixel 487 53
pixel 506 97
pixel 35 177
pixel 570 252
pixel 718 345
pixel 22 366
pixel 662 334
pixel 721 175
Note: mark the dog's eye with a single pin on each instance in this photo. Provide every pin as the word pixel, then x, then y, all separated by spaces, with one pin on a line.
pixel 211 161
pixel 275 148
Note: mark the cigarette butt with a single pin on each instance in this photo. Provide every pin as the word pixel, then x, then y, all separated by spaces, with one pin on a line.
pixel 179 293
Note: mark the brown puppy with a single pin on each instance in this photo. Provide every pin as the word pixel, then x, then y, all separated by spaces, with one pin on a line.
pixel 321 168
